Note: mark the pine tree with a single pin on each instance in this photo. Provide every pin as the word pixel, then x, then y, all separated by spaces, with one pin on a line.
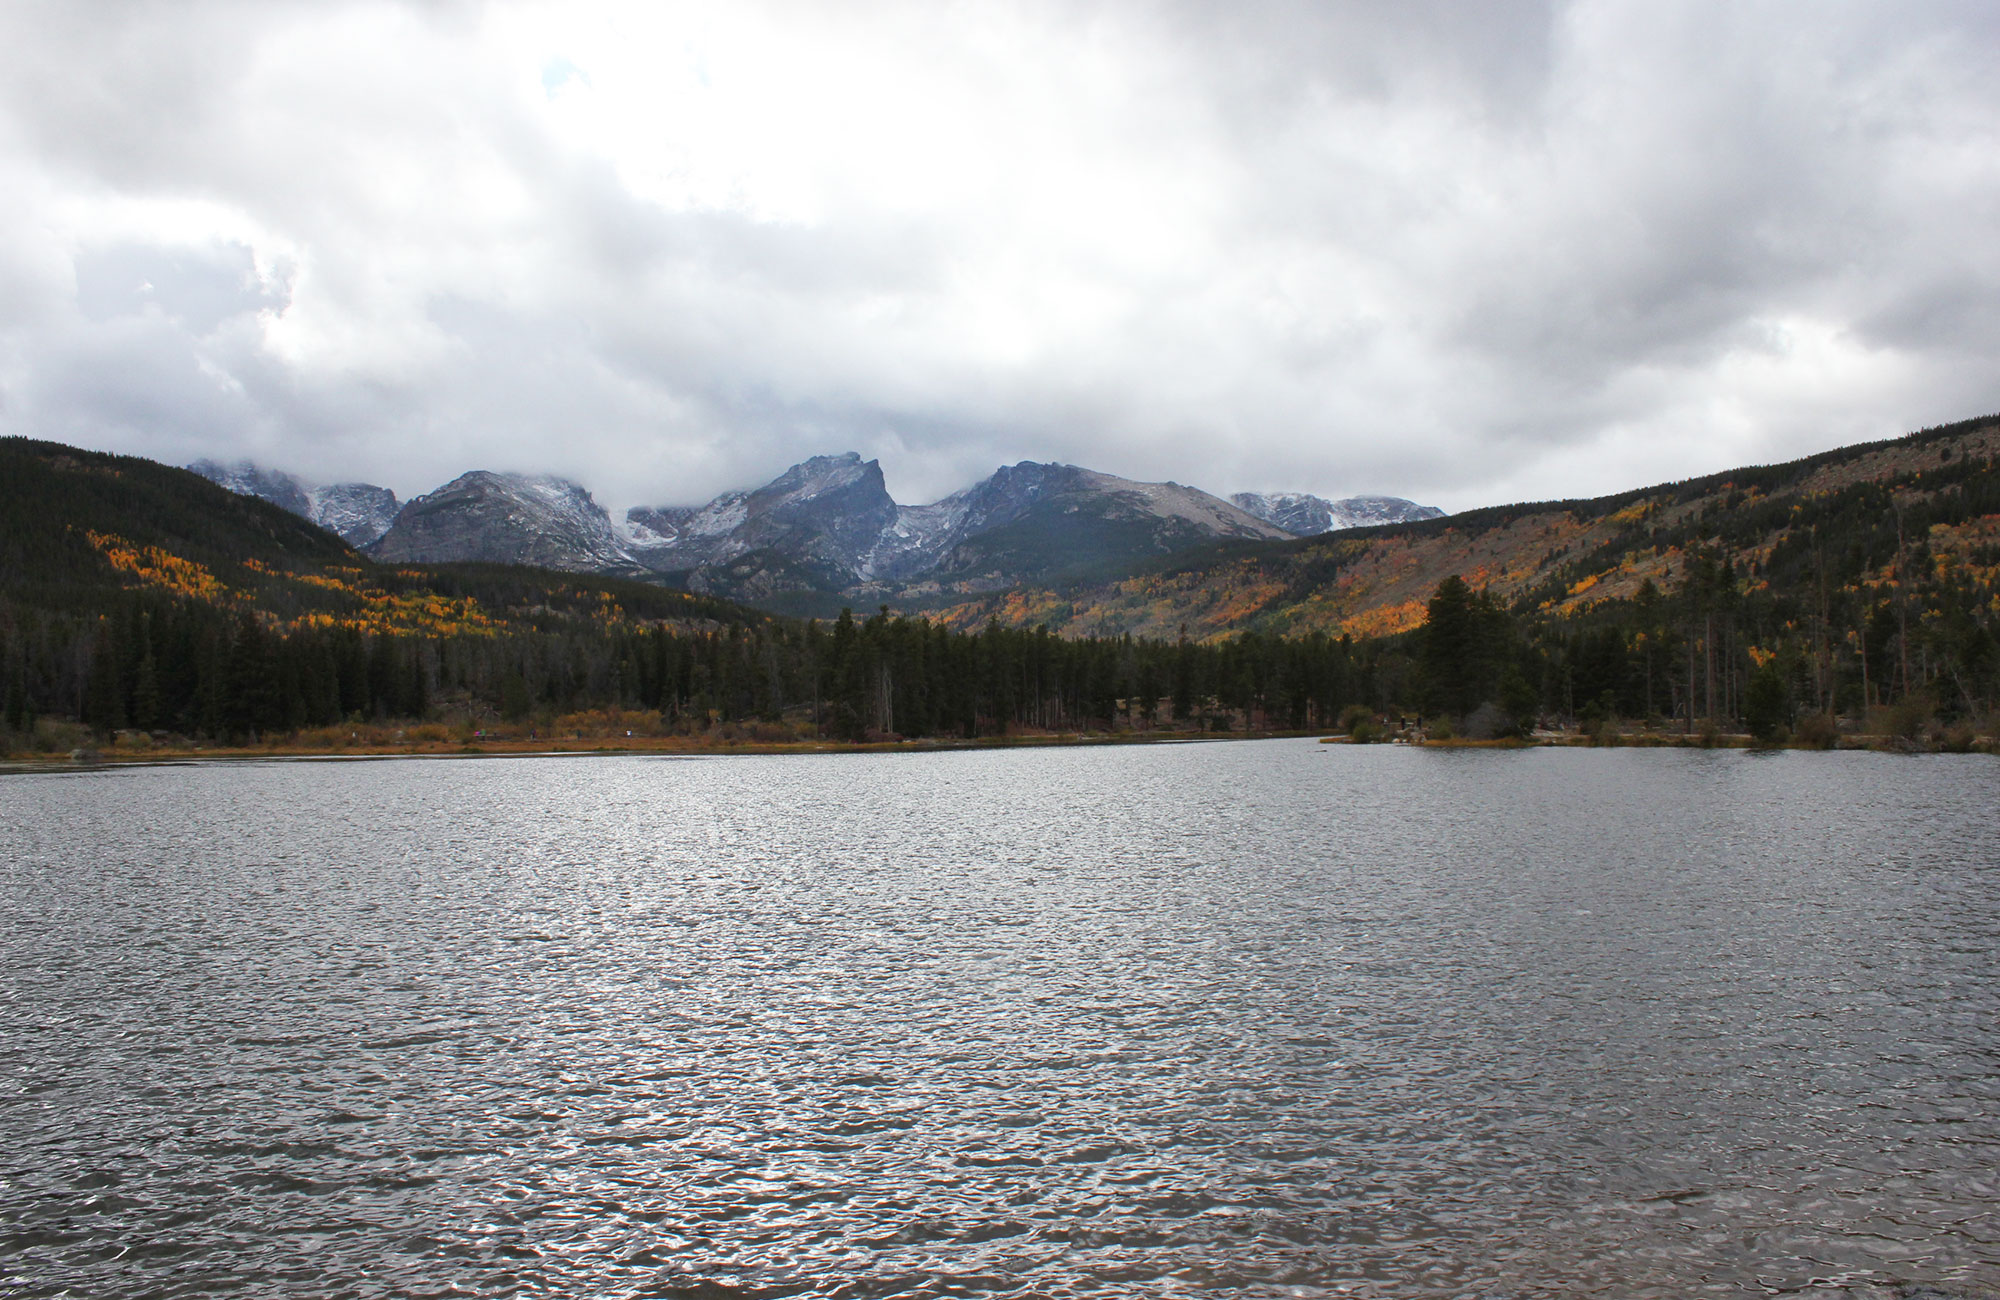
pixel 146 691
pixel 103 693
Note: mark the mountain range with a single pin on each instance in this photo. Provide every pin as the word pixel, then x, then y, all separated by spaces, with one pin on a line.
pixel 824 533
pixel 1855 581
pixel 1091 554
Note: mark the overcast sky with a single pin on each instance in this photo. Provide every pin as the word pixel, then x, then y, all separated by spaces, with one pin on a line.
pixel 1463 252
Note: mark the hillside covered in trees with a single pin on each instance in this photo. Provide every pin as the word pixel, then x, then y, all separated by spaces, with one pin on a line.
pixel 1861 578
pixel 1862 583
pixel 136 597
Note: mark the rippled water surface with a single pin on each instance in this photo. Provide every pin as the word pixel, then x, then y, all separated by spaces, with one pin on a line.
pixel 1259 1019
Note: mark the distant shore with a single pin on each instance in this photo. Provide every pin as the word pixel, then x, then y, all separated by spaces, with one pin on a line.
pixel 1956 742
pixel 570 746
pixel 1873 744
pixel 425 742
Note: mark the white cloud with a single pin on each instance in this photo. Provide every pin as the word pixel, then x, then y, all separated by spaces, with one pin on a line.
pixel 1516 250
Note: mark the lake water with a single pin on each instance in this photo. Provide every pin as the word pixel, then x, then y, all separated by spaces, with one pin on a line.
pixel 1235 1019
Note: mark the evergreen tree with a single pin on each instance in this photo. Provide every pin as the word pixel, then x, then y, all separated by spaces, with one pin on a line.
pixel 146 687
pixel 104 694
pixel 1767 705
pixel 1464 648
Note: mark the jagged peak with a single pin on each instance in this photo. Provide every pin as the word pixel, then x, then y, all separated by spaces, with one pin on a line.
pixel 819 474
pixel 538 485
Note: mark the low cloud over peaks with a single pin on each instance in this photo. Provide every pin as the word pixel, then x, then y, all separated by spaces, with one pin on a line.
pixel 1460 255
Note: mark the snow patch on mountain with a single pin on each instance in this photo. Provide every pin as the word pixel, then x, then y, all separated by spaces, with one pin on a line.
pixel 499 518
pixel 918 538
pixel 827 522
pixel 359 512
pixel 1305 515
pixel 247 478
pixel 829 510
pixel 833 514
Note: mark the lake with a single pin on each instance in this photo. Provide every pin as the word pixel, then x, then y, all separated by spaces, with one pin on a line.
pixel 1264 1019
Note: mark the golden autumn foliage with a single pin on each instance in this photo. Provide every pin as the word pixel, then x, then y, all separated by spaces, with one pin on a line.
pixel 338 597
pixel 157 568
pixel 1386 620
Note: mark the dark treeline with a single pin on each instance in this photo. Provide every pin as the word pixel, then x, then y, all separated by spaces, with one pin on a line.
pixel 191 668
pixel 1720 645
pixel 159 664
pixel 1726 645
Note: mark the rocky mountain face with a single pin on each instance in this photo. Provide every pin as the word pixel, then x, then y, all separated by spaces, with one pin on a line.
pixel 824 533
pixel 1305 515
pixel 829 525
pixel 251 480
pixel 1031 520
pixel 485 517
pixel 359 512
pixel 813 526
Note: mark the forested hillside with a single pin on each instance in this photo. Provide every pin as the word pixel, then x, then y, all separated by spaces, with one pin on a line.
pixel 1858 578
pixel 136 597
pixel 1862 584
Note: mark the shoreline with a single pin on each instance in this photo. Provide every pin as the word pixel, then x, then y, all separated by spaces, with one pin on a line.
pixel 589 746
pixel 1858 743
pixel 700 747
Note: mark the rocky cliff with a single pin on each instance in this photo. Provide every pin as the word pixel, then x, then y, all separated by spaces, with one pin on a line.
pixel 358 512
pixel 482 516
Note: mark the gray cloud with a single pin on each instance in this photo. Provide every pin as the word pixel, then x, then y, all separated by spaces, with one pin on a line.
pixel 1461 253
